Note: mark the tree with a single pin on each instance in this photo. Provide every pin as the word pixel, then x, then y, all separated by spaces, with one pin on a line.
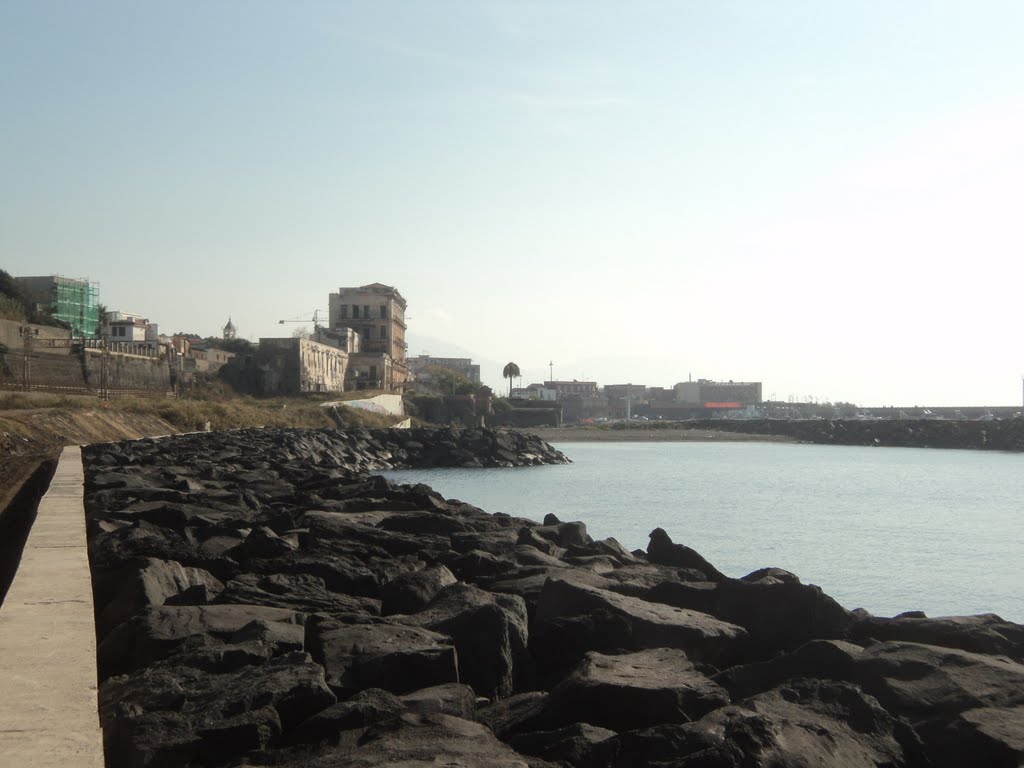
pixel 510 371
pixel 101 321
pixel 238 346
pixel 12 302
pixel 447 381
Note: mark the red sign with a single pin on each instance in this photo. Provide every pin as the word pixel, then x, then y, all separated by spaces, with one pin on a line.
pixel 723 405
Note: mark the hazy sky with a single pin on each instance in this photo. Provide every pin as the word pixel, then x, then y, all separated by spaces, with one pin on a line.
pixel 822 196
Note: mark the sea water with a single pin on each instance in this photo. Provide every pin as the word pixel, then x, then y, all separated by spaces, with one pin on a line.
pixel 886 529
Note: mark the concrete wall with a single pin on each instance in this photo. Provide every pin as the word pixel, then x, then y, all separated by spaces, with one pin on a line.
pixel 128 372
pixel 389 404
pixel 11 338
pixel 62 367
pixel 527 417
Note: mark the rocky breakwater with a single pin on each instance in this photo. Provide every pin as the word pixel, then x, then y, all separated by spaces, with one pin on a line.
pixel 262 600
pixel 999 435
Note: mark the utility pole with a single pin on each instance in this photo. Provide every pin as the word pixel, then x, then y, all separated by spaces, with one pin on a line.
pixel 26 336
pixel 105 367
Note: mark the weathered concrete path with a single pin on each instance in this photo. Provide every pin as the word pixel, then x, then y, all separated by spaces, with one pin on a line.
pixel 48 711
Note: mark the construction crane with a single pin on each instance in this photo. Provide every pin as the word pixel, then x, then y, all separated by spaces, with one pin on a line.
pixel 315 320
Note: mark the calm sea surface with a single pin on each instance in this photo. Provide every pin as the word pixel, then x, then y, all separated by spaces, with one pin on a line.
pixel 886 529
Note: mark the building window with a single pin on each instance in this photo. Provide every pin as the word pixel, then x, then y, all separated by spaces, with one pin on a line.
pixel 343 311
pixel 366 333
pixel 373 373
pixel 355 311
pixel 384 311
pixel 366 310
pixel 383 333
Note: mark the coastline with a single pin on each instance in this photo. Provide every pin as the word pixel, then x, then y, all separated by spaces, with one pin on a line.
pixel 314 614
pixel 646 435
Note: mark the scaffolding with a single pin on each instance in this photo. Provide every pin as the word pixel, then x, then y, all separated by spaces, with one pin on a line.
pixel 76 302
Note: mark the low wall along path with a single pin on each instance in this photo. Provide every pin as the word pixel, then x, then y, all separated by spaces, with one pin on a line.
pixel 48 708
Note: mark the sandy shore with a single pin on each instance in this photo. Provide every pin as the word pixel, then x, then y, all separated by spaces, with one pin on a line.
pixel 646 435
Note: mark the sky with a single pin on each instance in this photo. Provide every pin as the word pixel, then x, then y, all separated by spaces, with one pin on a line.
pixel 821 196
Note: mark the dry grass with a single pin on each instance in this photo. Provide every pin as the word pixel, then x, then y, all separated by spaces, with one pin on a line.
pixel 222 411
pixel 19 401
pixel 235 413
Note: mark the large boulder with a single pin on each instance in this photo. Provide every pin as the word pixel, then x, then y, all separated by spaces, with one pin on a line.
pixel 559 644
pixel 380 654
pixel 932 688
pixel 634 690
pixel 346 535
pixel 578 744
pixel 519 713
pixel 985 633
pixel 820 659
pixel 345 722
pixel 156 632
pixel 149 582
pixel 490 632
pixel 802 723
pixel 412 592
pixel 456 699
pixel 661 550
pixel 297 591
pixel 360 573
pixel 652 625
pixel 927 686
pixel 989 736
pixel 413 740
pixel 780 613
pixel 169 714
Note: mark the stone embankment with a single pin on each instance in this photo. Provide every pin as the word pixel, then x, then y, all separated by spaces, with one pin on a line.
pixel 1000 435
pixel 262 600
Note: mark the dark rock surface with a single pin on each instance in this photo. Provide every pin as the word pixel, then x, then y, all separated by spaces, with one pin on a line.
pixel 633 690
pixel 261 599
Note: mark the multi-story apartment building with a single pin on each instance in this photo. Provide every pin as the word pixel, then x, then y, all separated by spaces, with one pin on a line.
pixel 573 388
pixel 376 312
pixel 711 394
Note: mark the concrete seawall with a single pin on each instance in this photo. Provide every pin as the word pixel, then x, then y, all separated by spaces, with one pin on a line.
pixel 48 711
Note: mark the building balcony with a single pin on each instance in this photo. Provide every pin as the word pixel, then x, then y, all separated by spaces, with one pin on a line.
pixel 376 347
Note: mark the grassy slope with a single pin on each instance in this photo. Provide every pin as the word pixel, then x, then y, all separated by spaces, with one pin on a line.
pixel 53 420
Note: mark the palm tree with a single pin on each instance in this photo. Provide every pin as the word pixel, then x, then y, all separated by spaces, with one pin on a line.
pixel 510 372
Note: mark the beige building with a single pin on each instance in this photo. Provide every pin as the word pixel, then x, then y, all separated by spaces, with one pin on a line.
pixel 376 313
pixel 291 366
pixel 718 393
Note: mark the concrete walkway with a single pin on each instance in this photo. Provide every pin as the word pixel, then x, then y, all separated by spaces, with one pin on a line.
pixel 48 710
